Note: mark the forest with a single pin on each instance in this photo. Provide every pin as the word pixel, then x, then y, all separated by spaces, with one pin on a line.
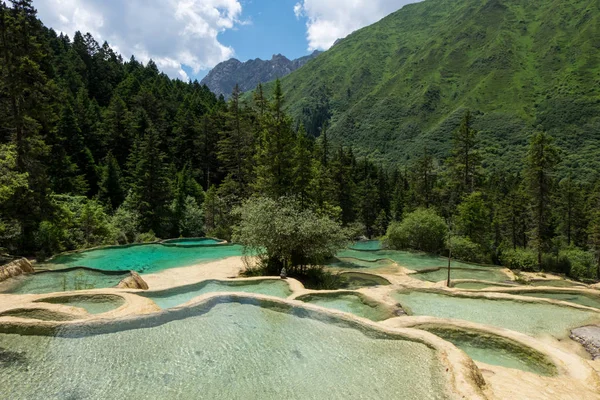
pixel 97 150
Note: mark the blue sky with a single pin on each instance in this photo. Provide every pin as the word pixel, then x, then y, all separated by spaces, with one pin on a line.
pixel 186 38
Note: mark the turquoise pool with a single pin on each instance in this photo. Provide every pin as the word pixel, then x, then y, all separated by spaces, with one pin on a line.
pixel 577 298
pixel 406 259
pixel 367 245
pixel 178 296
pixel 61 281
pixel 495 350
pixel 193 242
pixel 145 258
pixel 357 280
pixel 488 274
pixel 93 304
pixel 231 351
pixel 526 317
pixel 350 303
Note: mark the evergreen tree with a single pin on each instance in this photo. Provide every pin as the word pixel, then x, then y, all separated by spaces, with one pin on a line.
pixel 465 161
pixel 542 159
pixel 150 184
pixel 111 188
pixel 274 160
pixel 303 167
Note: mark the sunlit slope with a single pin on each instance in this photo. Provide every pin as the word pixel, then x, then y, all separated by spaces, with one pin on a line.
pixel 403 83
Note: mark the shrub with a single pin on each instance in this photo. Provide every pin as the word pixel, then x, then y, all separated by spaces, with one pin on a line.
pixel 521 259
pixel 421 230
pixel 582 264
pixel 464 249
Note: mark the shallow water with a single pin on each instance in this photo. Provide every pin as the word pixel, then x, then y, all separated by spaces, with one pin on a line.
pixel 64 281
pixel 497 351
pixel 350 303
pixel 489 274
pixel 410 260
pixel 231 352
pixel 145 258
pixel 93 305
pixel 576 298
pixel 530 318
pixel 357 280
pixel 368 245
pixel 554 283
pixel 178 296
pixel 472 285
pixel 193 242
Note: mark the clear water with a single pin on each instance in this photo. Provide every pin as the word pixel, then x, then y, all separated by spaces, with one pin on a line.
pixel 472 285
pixel 145 258
pixel 39 314
pixel 63 281
pixel 354 263
pixel 350 303
pixel 193 242
pixel 581 299
pixel 231 352
pixel 495 350
pixel 178 296
pixel 368 245
pixel 554 283
pixel 489 274
pixel 356 280
pixel 92 304
pixel 530 318
pixel 410 260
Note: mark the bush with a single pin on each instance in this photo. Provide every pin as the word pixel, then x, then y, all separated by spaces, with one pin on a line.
pixel 521 259
pixel 582 264
pixel 421 230
pixel 464 249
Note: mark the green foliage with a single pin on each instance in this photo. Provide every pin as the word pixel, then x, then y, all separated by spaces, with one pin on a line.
pixel 520 259
pixel 285 235
pixel 581 264
pixel 405 82
pixel 422 230
pixel 464 249
pixel 473 219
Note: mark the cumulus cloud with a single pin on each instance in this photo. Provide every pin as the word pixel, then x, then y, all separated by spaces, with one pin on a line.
pixel 171 32
pixel 329 20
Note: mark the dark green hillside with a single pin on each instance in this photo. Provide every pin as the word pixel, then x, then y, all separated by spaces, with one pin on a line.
pixel 403 83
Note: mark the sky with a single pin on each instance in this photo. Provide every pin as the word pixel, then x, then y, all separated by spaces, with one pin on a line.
pixel 186 38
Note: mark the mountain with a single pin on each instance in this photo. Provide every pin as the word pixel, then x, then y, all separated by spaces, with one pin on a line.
pixel 403 84
pixel 223 78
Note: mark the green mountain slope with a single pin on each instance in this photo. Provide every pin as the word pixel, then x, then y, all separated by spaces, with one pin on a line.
pixel 403 83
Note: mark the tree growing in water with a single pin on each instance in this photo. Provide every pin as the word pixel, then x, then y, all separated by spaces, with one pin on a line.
pixel 285 235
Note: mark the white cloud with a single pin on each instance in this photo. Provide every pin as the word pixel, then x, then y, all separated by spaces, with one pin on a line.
pixel 329 20
pixel 171 32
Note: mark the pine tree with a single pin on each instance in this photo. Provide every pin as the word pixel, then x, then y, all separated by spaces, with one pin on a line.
pixel 423 180
pixel 542 159
pixel 111 189
pixel 465 161
pixel 274 160
pixel 150 183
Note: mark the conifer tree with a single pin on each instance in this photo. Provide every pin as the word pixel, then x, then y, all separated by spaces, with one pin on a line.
pixel 542 159
pixel 465 161
pixel 111 188
pixel 303 167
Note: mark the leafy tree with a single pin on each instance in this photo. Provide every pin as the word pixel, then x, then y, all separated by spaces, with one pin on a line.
pixel 285 235
pixel 473 219
pixel 422 230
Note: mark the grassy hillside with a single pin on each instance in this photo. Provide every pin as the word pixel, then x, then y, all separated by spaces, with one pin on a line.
pixel 403 83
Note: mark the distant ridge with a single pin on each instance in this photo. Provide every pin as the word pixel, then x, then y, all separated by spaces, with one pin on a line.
pixel 222 79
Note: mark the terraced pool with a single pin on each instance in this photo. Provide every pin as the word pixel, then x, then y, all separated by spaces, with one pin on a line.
pixel 178 296
pixel 487 274
pixel 582 299
pixel 93 304
pixel 145 258
pixel 351 303
pixel 61 281
pixel 529 318
pixel 231 351
pixel 495 350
